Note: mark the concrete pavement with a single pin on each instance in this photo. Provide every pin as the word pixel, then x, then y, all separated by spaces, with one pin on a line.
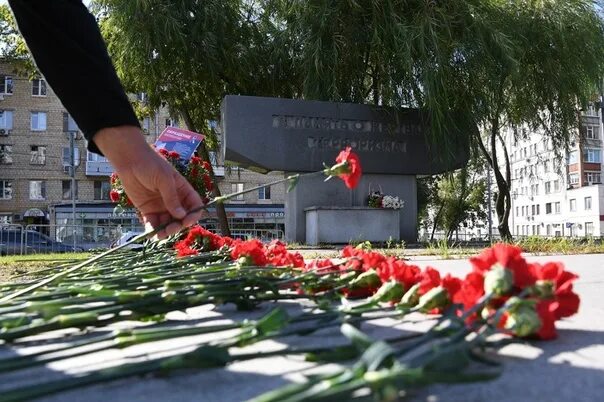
pixel 568 369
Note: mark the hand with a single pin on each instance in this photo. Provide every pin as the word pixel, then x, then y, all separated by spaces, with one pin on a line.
pixel 155 188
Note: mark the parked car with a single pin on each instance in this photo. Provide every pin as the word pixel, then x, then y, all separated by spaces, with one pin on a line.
pixel 13 241
pixel 127 237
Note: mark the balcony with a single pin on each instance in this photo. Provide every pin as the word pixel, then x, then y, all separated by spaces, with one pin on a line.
pixel 97 165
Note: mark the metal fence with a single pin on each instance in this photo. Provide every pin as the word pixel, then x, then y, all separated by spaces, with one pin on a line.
pixel 41 239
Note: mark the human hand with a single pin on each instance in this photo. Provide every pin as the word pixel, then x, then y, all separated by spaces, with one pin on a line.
pixel 155 188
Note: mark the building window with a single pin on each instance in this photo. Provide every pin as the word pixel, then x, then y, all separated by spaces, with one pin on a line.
pixel 548 230
pixel 6 189
pixel 548 208
pixel 556 186
pixel 66 186
pixel 69 124
pixel 6 154
pixel 545 166
pixel 523 209
pixel 91 157
pixel 101 190
pixel 592 177
pixel 573 157
pixel 6 219
pixel 6 121
pixel 587 203
pixel 548 187
pixel 38 87
pixel 67 156
pixel 573 178
pixel 557 207
pixel 517 211
pixel 38 121
pixel 589 228
pixel 264 193
pixel 37 190
pixel 592 132
pixel 538 207
pixel 6 84
pixel 572 204
pixel 37 155
pixel 235 188
pixel 592 155
pixel 171 122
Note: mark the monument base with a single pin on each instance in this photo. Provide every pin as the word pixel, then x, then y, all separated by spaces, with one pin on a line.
pixel 315 192
pixel 342 225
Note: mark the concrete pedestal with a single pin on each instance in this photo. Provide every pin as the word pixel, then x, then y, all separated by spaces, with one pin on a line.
pixel 315 192
pixel 341 225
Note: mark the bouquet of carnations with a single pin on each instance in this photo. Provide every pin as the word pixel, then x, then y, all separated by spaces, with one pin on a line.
pixel 195 171
pixel 392 202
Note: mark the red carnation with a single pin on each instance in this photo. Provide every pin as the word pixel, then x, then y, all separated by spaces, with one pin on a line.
pixel 472 289
pixel 509 257
pixel 396 269
pixel 251 250
pixel 114 196
pixel 352 173
pixel 163 152
pixel 556 285
pixel 173 154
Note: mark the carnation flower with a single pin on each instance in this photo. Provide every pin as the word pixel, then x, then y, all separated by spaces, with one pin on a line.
pixel 348 168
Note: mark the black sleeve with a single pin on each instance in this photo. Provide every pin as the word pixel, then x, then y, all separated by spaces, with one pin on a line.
pixel 69 51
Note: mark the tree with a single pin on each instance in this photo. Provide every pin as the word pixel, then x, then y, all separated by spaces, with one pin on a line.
pixel 474 66
pixel 454 199
pixel 497 63
pixel 12 45
pixel 544 65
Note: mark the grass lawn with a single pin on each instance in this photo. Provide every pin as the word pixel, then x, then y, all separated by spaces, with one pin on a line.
pixel 20 267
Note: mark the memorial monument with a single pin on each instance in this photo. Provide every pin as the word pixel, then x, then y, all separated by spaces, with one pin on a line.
pixel 274 134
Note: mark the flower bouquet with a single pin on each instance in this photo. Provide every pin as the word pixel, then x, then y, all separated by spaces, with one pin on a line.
pixel 195 171
pixel 378 200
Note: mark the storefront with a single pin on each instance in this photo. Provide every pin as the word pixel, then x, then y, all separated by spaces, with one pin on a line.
pixel 97 224
pixel 263 221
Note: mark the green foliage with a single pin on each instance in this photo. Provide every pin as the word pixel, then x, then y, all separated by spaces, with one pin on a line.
pixel 12 45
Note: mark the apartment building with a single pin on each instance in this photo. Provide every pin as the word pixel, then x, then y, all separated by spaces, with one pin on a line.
pixel 35 182
pixel 558 193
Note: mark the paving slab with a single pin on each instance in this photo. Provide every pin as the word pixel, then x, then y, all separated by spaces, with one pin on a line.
pixel 570 368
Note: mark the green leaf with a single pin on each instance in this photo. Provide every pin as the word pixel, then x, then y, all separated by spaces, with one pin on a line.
pixel 337 354
pixel 293 182
pixel 360 340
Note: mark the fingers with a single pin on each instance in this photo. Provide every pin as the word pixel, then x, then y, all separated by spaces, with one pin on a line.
pixel 179 194
pixel 169 194
pixel 191 200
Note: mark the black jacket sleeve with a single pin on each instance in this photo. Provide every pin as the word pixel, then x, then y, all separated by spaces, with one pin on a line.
pixel 69 51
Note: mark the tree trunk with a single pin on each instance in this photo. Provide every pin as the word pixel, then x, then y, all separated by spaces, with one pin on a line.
pixel 435 222
pixel 223 222
pixel 503 202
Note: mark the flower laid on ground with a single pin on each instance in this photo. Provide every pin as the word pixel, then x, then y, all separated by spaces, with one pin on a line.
pixel 499 272
pixel 196 171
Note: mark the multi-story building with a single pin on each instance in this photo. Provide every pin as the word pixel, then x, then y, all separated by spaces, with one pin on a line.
pixel 35 182
pixel 558 193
